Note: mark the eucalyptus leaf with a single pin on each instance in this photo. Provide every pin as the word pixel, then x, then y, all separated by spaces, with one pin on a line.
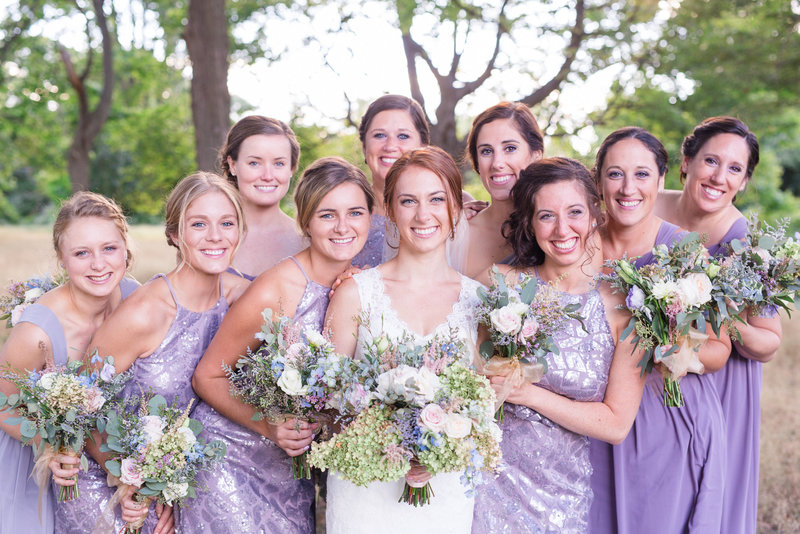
pixel 28 429
pixel 529 291
pixel 487 349
pixel 114 467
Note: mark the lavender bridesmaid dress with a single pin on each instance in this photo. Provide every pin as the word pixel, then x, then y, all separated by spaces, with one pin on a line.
pixel 545 484
pixel 19 495
pixel 372 253
pixel 168 372
pixel 253 490
pixel 667 476
pixel 739 387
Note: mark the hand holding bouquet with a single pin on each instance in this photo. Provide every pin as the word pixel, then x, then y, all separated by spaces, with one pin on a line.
pixel 423 405
pixel 156 448
pixel 293 374
pixel 521 322
pixel 61 406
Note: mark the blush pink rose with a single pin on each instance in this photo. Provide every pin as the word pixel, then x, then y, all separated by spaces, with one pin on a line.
pixel 529 329
pixel 433 417
pixel 129 473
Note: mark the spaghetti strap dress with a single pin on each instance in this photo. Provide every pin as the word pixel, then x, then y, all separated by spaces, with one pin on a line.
pixel 253 490
pixel 667 476
pixel 167 372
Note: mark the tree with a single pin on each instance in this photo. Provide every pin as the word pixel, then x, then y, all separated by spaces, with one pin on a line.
pixel 90 120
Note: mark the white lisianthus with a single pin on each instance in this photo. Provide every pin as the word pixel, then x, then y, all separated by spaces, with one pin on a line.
pixel 107 372
pixel 175 490
pixel 433 417
pixel 382 344
pixel 47 380
pixel 153 427
pixel 694 289
pixel 761 252
pixel 506 320
pixel 665 290
pixel 33 294
pixel 188 436
pixel 291 382
pixel 457 426
pixel 94 400
pixel 315 338
pixel 130 474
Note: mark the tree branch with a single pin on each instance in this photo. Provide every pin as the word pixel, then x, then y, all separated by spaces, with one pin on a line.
pixel 470 87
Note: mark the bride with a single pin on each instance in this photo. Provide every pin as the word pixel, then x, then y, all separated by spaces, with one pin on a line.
pixel 418 293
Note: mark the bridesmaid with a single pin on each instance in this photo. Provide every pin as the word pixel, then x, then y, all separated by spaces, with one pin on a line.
pixel 668 474
pixel 90 237
pixel 592 388
pixel 258 158
pixel 164 328
pixel 504 140
pixel 254 491
pixel 392 125
pixel 719 157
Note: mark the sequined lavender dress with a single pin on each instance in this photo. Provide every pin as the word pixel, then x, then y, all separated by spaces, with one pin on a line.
pixel 168 371
pixel 253 491
pixel 739 387
pixel 545 484
pixel 668 474
pixel 19 495
pixel 372 253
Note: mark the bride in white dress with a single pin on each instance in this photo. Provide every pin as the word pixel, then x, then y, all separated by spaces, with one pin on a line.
pixel 417 292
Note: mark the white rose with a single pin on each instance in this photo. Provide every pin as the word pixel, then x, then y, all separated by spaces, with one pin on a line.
pixel 762 253
pixel 518 307
pixel 506 320
pixel 427 384
pixel 33 294
pixel 457 426
pixel 16 313
pixel 94 400
pixel 47 380
pixel 392 385
pixel 107 372
pixel 188 436
pixel 175 490
pixel 291 382
pixel 129 473
pixel 153 427
pixel 694 289
pixel 665 290
pixel 433 417
pixel 315 338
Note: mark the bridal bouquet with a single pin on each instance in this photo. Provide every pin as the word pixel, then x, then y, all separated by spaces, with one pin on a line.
pixel 61 405
pixel 521 322
pixel 424 406
pixel 294 373
pixel 762 271
pixel 20 295
pixel 666 298
pixel 156 448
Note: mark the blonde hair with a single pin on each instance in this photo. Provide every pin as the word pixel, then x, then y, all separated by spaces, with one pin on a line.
pixel 88 204
pixel 187 191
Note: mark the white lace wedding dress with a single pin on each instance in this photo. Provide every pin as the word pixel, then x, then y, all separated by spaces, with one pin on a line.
pixel 374 509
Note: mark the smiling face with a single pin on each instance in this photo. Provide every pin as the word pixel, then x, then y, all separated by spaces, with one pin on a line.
pixel 420 209
pixel 502 153
pixel 389 135
pixel 92 250
pixel 339 226
pixel 210 233
pixel 630 182
pixel 263 169
pixel 562 222
pixel 717 172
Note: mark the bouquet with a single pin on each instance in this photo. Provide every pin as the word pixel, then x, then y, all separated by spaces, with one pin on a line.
pixel 61 405
pixel 156 448
pixel 22 294
pixel 422 405
pixel 762 270
pixel 521 323
pixel 293 373
pixel 666 298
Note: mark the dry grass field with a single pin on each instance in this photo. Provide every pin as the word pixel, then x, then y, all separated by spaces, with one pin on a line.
pixel 27 250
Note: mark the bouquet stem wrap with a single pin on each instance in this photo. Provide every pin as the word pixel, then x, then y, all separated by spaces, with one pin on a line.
pixel 516 373
pixel 105 523
pixel 41 474
pixel 682 361
pixel 418 495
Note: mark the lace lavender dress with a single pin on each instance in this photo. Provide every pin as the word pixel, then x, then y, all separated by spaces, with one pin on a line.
pixel 253 490
pixel 372 253
pixel 19 495
pixel 667 476
pixel 545 484
pixel 739 387
pixel 168 371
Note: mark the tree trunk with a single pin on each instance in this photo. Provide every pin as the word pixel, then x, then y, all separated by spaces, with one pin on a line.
pixel 206 39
